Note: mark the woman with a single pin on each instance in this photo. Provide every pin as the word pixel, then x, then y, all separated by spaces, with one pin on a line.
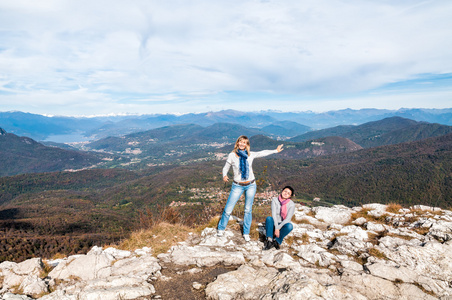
pixel 241 161
pixel 278 225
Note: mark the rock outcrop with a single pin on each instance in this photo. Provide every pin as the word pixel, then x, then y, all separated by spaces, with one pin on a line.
pixel 364 252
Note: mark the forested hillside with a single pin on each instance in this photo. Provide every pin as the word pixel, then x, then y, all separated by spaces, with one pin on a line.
pixel 67 212
pixel 24 155
pixel 408 173
pixel 389 131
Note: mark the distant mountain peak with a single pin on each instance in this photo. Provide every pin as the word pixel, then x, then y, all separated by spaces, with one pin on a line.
pixel 2 131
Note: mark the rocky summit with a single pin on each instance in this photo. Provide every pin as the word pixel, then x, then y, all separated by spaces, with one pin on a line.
pixel 370 252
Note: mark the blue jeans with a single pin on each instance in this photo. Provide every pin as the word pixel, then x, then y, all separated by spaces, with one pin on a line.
pixel 270 229
pixel 237 191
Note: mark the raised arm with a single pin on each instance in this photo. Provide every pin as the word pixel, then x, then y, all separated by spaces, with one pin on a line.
pixel 268 152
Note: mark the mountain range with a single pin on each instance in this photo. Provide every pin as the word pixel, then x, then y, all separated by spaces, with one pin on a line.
pixel 185 143
pixel 387 131
pixel 278 124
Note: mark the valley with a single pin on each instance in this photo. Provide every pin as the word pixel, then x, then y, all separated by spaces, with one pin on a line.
pixel 63 200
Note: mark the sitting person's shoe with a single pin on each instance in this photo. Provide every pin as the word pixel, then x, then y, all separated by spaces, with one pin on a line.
pixel 220 233
pixel 268 244
pixel 276 244
pixel 246 237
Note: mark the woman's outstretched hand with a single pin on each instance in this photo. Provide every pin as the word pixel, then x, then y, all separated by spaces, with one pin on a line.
pixel 225 178
pixel 280 148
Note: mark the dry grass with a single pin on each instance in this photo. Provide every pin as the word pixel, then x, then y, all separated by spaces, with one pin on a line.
pixel 260 213
pixel 422 230
pixel 361 260
pixel 15 289
pixel 305 238
pixel 58 256
pixel 373 238
pixel 311 214
pixel 334 252
pixel 412 219
pixel 45 270
pixel 302 221
pixel 403 237
pixel 362 213
pixel 393 208
pixel 377 253
pixel 365 214
pixel 421 212
pixel 159 237
pixel 289 240
pixel 421 287
pixel 254 233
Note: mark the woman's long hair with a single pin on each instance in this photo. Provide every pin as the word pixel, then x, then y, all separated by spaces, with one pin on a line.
pixel 245 138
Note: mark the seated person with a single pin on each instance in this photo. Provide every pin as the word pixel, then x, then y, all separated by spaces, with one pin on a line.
pixel 278 225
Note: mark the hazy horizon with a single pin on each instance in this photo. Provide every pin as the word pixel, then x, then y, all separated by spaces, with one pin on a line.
pixel 217 111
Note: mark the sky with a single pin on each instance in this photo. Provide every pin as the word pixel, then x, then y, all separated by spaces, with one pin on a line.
pixel 96 57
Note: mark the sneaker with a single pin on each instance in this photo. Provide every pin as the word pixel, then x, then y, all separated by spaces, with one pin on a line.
pixel 220 233
pixel 276 244
pixel 246 237
pixel 268 245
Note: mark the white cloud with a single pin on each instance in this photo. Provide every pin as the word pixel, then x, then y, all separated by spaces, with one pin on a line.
pixel 192 53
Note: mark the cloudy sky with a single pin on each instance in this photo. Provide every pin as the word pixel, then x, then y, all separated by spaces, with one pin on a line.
pixel 96 57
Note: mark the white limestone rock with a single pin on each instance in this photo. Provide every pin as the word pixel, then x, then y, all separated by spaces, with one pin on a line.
pixel 376 227
pixel 33 285
pixel 351 266
pixel 11 296
pixel 350 245
pixel 203 256
pixel 60 295
pixel 441 230
pixel 197 285
pixel 76 266
pixel 117 288
pixel 15 273
pixel 426 208
pixel 391 271
pixel 360 221
pixel 413 263
pixel 282 260
pixel 315 255
pixel 116 253
pixel 143 266
pixel 143 251
pixel 244 283
pixel 306 287
pixel 375 207
pixel 373 287
pixel 355 232
pixel 209 238
pixel 430 263
pixel 338 214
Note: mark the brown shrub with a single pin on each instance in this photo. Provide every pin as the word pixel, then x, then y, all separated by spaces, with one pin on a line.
pixel 393 208
pixel 160 237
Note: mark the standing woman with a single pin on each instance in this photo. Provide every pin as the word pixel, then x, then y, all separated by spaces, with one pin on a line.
pixel 278 225
pixel 241 160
